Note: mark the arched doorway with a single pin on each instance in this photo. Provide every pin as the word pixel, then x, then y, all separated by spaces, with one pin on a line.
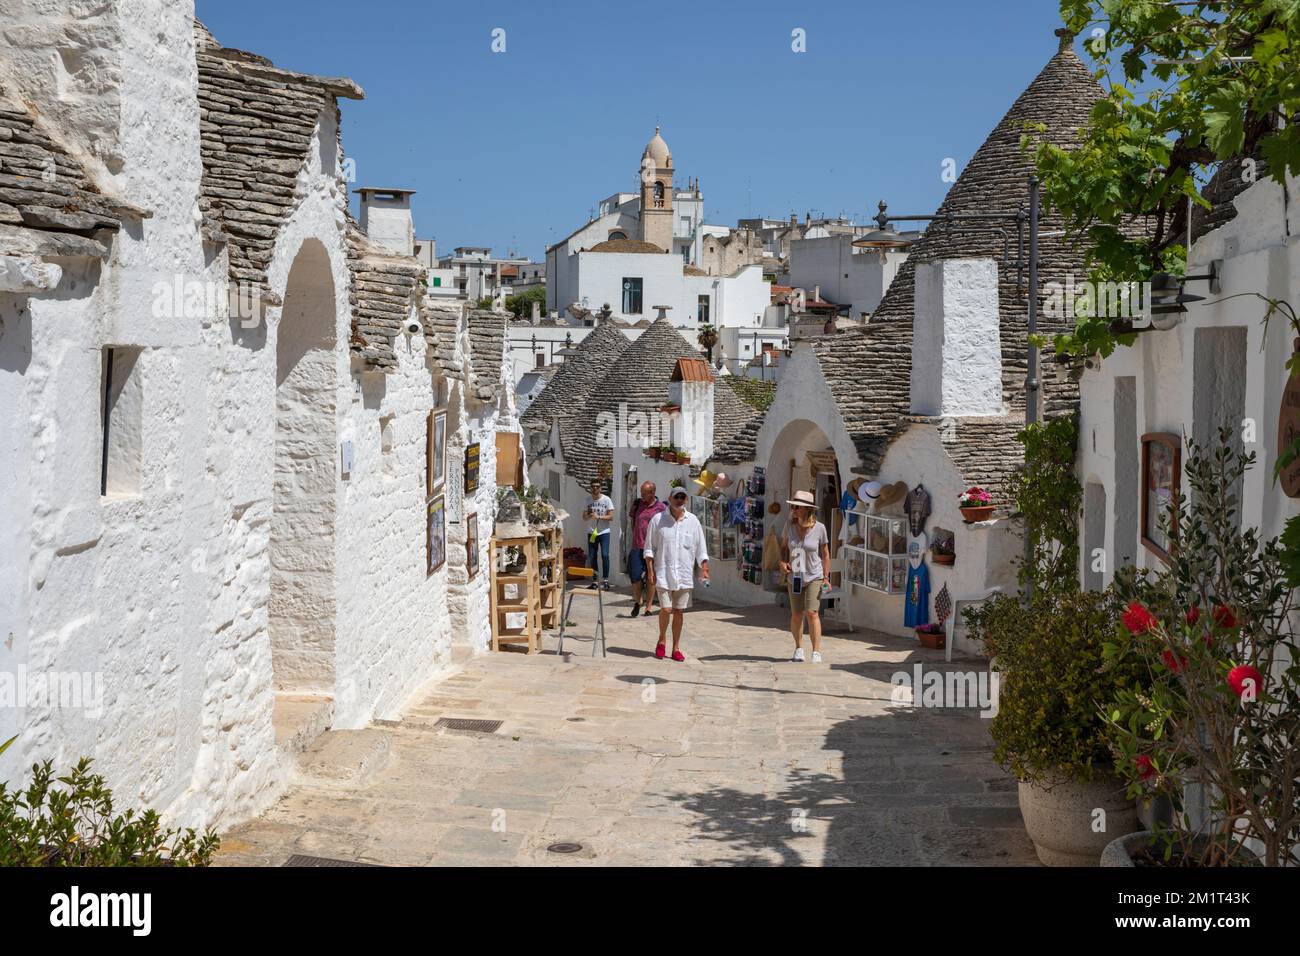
pixel 301 616
pixel 802 459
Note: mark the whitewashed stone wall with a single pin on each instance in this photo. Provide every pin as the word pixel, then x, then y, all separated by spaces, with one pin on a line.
pixel 1258 257
pixel 161 591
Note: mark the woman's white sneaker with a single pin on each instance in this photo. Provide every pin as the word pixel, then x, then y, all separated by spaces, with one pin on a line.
pixel 798 655
pixel 817 657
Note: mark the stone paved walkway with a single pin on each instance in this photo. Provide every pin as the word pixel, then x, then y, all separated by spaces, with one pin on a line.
pixel 736 756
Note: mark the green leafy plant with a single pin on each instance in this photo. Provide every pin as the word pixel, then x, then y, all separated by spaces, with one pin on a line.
pixel 1219 721
pixel 707 336
pixel 5 746
pixel 1191 85
pixel 1049 727
pixel 1049 497
pixel 74 824
pixel 752 391
pixel 521 304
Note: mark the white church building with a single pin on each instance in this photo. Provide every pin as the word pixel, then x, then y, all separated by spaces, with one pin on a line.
pixel 637 253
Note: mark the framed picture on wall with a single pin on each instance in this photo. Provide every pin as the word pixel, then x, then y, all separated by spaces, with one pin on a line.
pixel 1161 476
pixel 436 450
pixel 471 545
pixel 730 546
pixel 436 528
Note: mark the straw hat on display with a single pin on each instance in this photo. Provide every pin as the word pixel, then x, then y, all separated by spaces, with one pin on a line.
pixel 891 494
pixel 802 499
pixel 706 480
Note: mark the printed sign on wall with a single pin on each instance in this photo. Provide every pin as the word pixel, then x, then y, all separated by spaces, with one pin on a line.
pixel 471 469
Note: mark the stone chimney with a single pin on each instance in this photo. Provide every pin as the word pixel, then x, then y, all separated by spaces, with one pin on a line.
pixel 691 389
pixel 386 218
pixel 956 339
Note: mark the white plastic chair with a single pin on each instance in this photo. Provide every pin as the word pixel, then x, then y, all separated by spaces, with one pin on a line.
pixel 843 593
pixel 958 604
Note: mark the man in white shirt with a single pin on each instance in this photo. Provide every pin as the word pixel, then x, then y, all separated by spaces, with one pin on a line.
pixel 674 546
pixel 599 514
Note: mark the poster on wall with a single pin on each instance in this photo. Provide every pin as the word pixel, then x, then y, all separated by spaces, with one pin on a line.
pixel 436 450
pixel 436 526
pixel 471 545
pixel 471 468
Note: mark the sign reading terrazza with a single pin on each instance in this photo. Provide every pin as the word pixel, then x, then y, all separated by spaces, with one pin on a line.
pixel 1288 429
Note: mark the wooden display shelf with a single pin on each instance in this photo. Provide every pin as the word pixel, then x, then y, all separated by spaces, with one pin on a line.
pixel 528 604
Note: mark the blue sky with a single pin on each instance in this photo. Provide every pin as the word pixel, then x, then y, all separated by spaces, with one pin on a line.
pixel 513 149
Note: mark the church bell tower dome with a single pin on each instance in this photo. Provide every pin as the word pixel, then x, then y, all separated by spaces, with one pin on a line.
pixel 657 150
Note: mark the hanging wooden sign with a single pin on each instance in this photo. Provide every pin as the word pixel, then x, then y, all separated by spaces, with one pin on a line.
pixel 1288 430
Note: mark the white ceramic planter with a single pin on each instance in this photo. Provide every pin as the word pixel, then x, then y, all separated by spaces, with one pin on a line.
pixel 1062 820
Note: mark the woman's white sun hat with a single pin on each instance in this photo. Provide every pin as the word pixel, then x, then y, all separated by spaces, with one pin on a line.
pixel 802 499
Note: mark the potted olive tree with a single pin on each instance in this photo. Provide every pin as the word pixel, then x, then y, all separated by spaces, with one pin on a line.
pixel 1214 734
pixel 1049 731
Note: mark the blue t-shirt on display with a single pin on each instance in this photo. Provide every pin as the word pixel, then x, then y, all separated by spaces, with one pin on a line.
pixel 916 601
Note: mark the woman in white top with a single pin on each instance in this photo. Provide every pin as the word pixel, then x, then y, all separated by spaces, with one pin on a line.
pixel 805 556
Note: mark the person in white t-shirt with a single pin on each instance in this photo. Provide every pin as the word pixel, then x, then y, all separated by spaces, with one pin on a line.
pixel 599 515
pixel 674 547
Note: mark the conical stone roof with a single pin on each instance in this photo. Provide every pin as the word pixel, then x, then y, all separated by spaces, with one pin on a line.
pixel 637 382
pixel 572 383
pixel 869 370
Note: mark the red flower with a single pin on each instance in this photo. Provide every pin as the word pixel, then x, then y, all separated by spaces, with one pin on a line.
pixel 1192 616
pixel 1138 619
pixel 1243 677
pixel 1146 766
pixel 1175 664
pixel 1223 616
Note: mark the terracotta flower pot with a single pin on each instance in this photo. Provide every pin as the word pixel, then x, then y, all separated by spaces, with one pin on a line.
pixel 653 453
pixel 946 559
pixel 982 513
pixel 934 640
pixel 670 457
pixel 683 459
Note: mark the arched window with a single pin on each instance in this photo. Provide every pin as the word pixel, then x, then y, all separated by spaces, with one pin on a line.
pixel 659 194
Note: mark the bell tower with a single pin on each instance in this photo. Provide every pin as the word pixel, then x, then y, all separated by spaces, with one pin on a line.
pixel 657 193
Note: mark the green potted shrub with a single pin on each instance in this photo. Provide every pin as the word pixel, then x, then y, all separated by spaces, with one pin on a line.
pixel 1214 736
pixel 668 453
pixel 1049 730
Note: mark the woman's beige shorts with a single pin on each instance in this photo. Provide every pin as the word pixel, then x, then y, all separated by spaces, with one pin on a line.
pixel 809 599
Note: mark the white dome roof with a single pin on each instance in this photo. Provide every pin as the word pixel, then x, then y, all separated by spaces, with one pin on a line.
pixel 657 150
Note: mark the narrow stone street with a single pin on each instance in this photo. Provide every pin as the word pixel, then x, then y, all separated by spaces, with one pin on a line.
pixel 736 756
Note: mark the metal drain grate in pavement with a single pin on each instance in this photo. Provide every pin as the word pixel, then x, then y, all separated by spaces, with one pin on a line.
pixel 299 860
pixel 564 848
pixel 467 725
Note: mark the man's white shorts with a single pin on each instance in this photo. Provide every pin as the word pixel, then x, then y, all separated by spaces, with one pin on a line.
pixel 678 600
